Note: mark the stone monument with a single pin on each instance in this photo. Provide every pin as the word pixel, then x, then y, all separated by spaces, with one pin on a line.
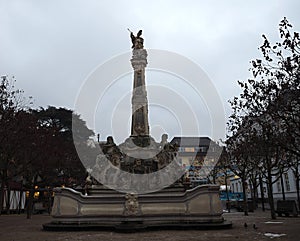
pixel 141 179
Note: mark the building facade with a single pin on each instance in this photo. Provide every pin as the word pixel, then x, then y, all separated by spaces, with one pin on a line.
pixel 283 188
pixel 198 155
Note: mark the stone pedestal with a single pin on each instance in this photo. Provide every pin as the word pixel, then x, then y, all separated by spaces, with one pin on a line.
pixel 171 207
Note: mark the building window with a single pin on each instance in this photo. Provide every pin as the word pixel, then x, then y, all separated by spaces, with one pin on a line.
pixel 203 149
pixel 295 180
pixel 287 182
pixel 278 186
pixel 189 149
pixel 181 149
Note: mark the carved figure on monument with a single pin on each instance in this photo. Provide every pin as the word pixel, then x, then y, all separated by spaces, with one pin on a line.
pixel 138 167
pixel 115 160
pixel 167 152
pixel 131 204
pixel 111 151
pixel 137 41
pixel 164 141
pixel 140 129
pixel 109 146
pixel 167 146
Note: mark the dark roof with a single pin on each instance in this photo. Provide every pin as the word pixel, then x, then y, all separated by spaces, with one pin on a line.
pixel 192 141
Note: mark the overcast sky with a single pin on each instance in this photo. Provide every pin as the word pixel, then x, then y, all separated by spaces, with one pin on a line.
pixel 51 47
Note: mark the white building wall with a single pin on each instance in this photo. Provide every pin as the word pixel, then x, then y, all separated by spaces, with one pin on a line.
pixel 289 182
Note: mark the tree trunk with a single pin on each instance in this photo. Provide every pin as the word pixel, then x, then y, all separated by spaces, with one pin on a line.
pixel 270 194
pixel 8 199
pixel 245 197
pixel 214 179
pixel 255 195
pixel 20 200
pixel 282 186
pixel 296 173
pixel 2 190
pixel 252 193
pixel 228 200
pixel 262 194
pixel 30 201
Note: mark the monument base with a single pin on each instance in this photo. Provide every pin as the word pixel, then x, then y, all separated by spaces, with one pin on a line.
pixel 108 209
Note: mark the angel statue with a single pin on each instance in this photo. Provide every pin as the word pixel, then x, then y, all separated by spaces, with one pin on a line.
pixel 137 41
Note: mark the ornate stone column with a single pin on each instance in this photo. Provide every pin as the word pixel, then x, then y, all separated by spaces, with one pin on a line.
pixel 139 101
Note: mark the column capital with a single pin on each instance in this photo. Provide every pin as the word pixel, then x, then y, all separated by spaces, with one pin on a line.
pixel 139 59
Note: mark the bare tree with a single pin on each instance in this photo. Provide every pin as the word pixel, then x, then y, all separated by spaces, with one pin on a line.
pixel 268 108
